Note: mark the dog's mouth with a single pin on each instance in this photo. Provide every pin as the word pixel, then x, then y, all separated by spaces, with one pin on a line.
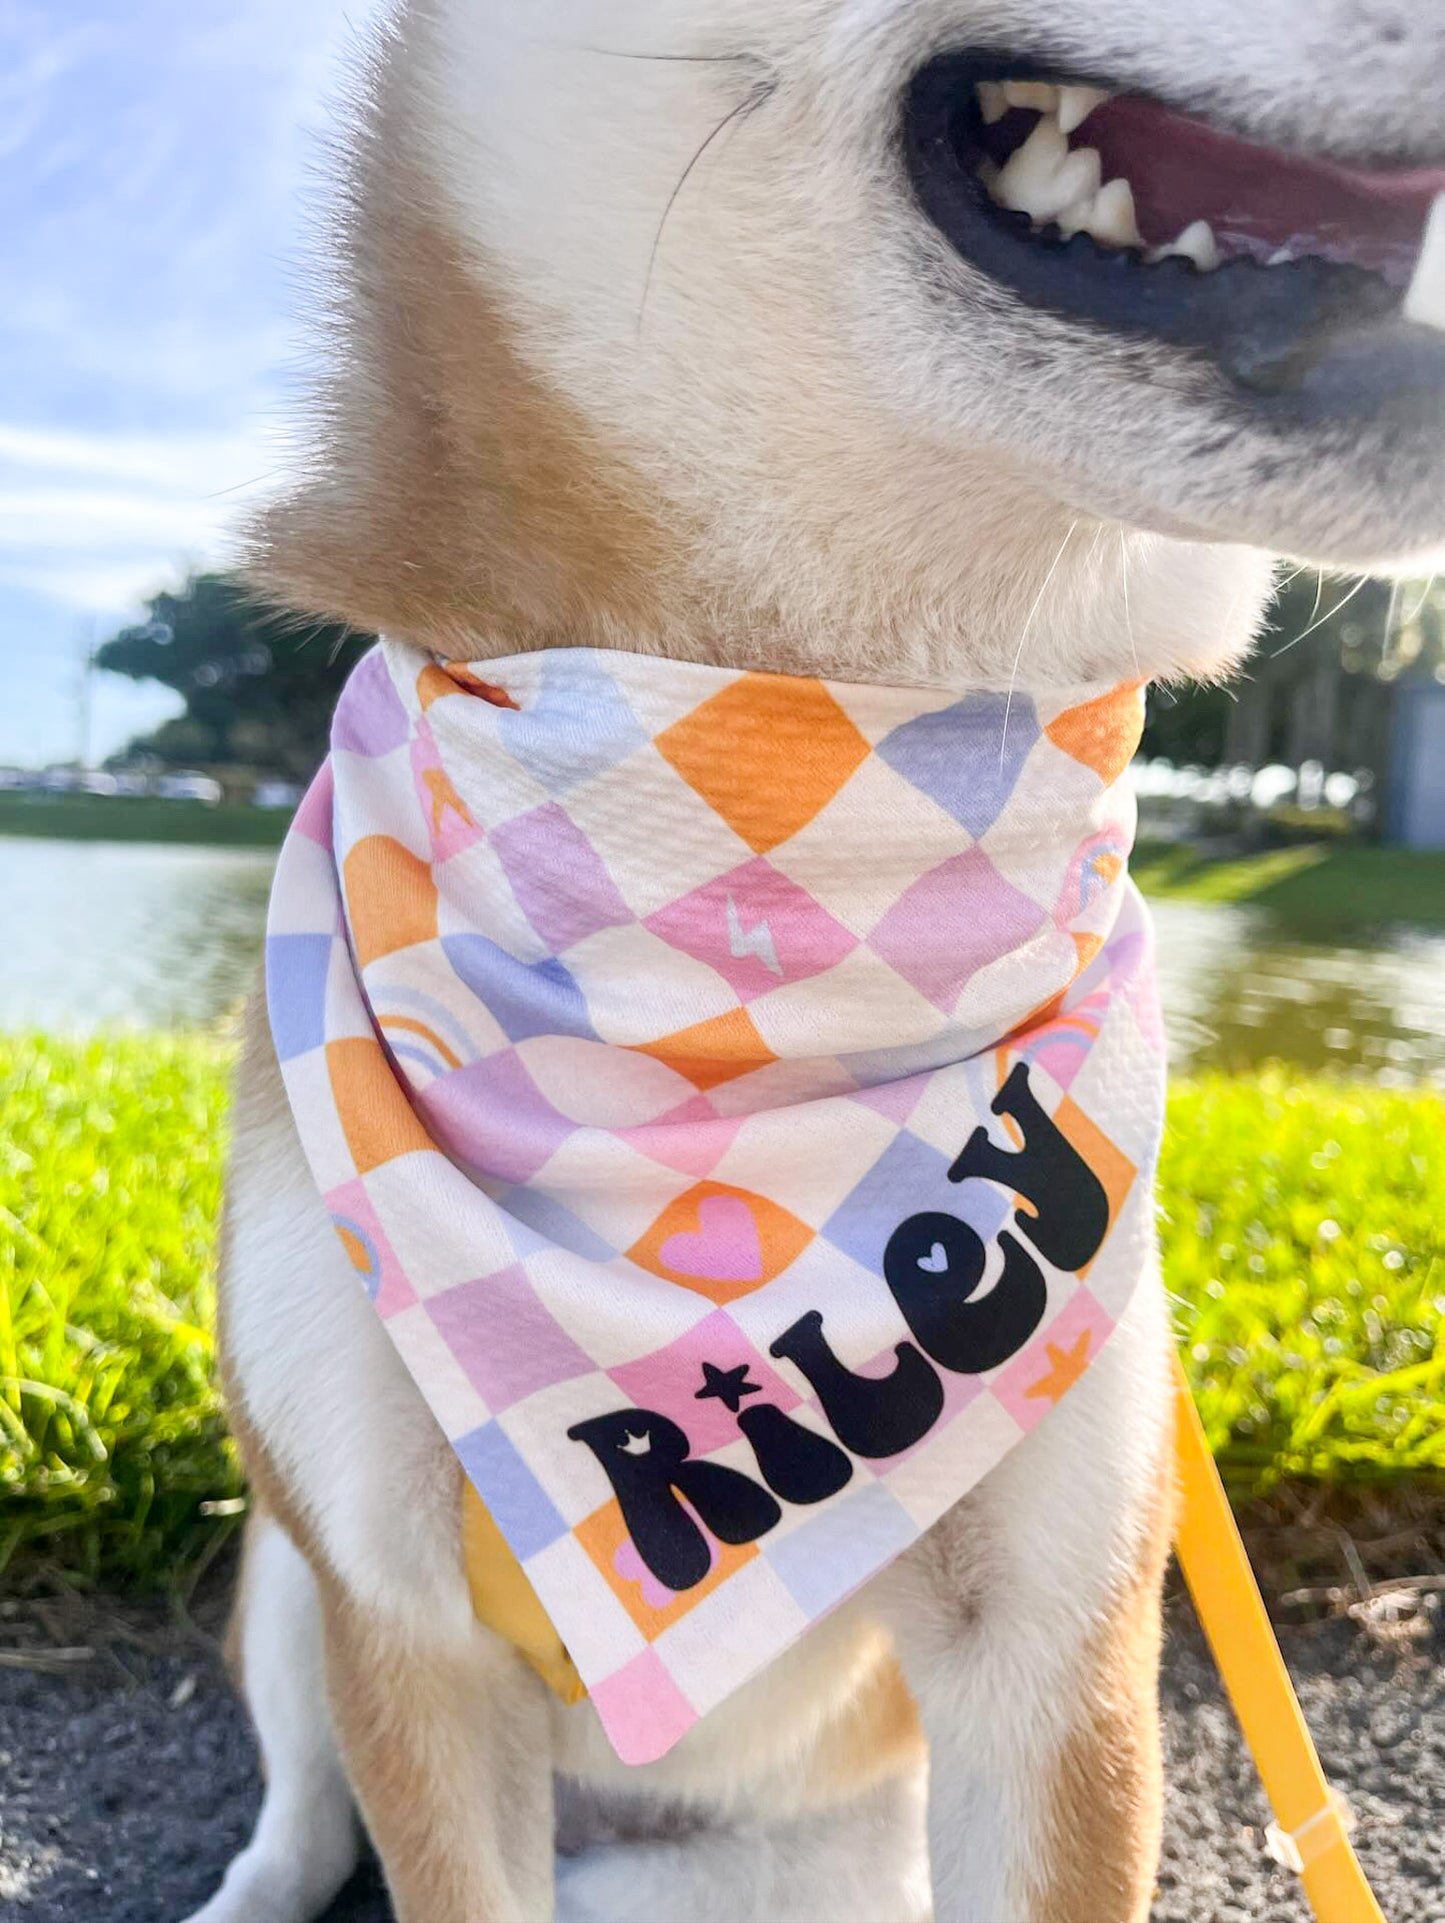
pixel 1300 277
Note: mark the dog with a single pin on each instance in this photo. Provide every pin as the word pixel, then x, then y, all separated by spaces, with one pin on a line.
pixel 819 337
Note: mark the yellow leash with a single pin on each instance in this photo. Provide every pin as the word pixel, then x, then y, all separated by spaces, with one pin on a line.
pixel 1310 1836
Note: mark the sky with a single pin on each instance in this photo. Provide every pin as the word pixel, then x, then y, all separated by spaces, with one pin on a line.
pixel 159 169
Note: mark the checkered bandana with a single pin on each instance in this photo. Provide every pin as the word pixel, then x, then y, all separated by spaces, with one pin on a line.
pixel 739 1096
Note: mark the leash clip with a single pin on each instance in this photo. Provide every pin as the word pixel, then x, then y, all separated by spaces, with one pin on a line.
pixel 1297 1849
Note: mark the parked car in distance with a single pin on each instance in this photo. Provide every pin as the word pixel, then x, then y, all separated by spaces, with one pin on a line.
pixel 189 786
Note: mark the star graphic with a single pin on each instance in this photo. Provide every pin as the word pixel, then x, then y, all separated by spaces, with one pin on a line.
pixel 728 1385
pixel 1066 1366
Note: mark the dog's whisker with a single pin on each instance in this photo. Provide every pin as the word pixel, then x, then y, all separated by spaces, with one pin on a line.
pixel 1391 628
pixel 1319 593
pixel 1419 608
pixel 1128 613
pixel 1028 624
pixel 755 98
pixel 672 59
pixel 1324 619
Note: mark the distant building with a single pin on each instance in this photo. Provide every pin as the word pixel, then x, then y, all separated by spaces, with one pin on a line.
pixel 1415 798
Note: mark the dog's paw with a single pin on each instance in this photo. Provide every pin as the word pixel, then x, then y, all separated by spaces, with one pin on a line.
pixel 264 1888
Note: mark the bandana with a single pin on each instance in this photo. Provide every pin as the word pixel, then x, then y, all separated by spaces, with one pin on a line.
pixel 739 1095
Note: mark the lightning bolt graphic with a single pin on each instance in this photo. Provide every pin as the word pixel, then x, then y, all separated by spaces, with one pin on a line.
pixel 757 942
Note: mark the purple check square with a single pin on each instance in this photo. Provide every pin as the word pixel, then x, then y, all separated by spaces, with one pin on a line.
pixel 526 998
pixel 952 922
pixel 370 719
pixel 911 1178
pixel 831 1555
pixel 559 879
pixel 577 725
pixel 520 1506
pixel 493 1119
pixel 507 1342
pixel 907 1178
pixel 296 970
pixel 966 758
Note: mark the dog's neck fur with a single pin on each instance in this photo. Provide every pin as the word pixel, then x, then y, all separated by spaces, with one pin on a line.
pixel 456 498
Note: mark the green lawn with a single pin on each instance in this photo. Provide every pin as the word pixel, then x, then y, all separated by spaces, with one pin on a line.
pixel 1337 889
pixel 140 818
pixel 113 1448
pixel 1303 1227
pixel 1302 1232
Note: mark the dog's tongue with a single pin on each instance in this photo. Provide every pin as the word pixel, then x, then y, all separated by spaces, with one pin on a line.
pixel 1260 201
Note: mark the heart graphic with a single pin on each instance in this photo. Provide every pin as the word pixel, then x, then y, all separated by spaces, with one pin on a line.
pixel 936 1260
pixel 725 1246
pixel 630 1566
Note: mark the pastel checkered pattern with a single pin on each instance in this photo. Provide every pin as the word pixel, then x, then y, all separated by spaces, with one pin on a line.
pixel 626 1007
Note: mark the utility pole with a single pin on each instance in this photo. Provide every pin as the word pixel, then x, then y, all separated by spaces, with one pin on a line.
pixel 86 672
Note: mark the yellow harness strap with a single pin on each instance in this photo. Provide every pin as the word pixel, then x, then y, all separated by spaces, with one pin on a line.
pixel 506 1602
pixel 1311 1835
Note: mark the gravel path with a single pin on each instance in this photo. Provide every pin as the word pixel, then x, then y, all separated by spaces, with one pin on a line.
pixel 127 1782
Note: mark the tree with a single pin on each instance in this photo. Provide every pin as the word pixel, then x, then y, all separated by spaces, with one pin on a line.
pixel 1318 686
pixel 258 687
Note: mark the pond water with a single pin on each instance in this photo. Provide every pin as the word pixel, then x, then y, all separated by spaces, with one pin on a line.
pixel 101 933
pixel 104 933
pixel 1239 990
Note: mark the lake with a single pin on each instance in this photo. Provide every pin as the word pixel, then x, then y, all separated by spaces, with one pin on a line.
pixel 142 934
pixel 107 933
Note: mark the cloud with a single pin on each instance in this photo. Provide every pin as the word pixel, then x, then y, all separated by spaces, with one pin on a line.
pixel 98 521
pixel 97 588
pixel 151 459
pixel 152 197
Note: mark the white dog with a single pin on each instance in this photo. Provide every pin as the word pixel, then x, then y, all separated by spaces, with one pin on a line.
pixel 958 343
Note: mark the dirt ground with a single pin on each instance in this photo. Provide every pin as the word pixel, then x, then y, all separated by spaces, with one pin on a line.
pixel 128 1779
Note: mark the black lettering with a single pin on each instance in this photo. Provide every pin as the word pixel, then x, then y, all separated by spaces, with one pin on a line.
pixel 1070 1209
pixel 648 1462
pixel 873 1416
pixel 797 1463
pixel 934 1265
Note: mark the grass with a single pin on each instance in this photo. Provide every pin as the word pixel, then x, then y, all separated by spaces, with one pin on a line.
pixel 1302 1238
pixel 113 1449
pixel 1338 888
pixel 140 818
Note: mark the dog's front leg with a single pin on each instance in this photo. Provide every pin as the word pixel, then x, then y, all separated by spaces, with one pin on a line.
pixel 1027 1624
pixel 448 1750
pixel 1044 1777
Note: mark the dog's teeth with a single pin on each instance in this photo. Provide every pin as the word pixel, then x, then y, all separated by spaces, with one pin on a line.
pixel 992 101
pixel 1112 218
pixel 1425 302
pixel 1044 177
pixel 1076 104
pixel 1196 243
pixel 1076 219
pixel 1284 258
pixel 1035 94
pixel 1078 181
pixel 1029 183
